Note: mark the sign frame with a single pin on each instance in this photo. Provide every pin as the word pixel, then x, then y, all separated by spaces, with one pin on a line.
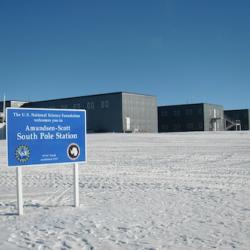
pixel 75 163
pixel 47 163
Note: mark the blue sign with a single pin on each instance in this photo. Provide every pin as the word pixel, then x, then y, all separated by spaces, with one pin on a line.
pixel 45 136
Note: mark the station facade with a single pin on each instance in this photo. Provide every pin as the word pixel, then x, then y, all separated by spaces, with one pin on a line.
pixel 132 112
pixel 111 112
pixel 191 117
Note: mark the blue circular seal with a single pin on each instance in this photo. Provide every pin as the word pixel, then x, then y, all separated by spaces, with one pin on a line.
pixel 22 153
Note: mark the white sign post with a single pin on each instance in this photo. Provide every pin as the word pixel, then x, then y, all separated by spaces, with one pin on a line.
pixel 76 185
pixel 19 185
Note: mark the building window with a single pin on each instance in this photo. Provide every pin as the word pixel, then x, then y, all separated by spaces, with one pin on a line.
pixel 189 112
pixel 190 125
pixel 76 105
pixel 164 126
pixel 164 113
pixel 177 126
pixel 102 104
pixel 90 105
pixel 105 104
pixel 177 112
pixel 64 106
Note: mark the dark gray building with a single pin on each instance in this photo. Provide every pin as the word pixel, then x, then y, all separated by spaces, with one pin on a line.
pixel 112 112
pixel 237 119
pixel 190 117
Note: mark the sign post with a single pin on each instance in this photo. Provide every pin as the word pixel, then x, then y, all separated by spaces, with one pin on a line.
pixel 44 137
pixel 76 185
pixel 19 190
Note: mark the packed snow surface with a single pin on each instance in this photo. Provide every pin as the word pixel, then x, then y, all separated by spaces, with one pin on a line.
pixel 137 191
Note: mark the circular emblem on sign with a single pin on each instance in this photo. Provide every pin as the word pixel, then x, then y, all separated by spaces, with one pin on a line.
pixel 22 153
pixel 73 151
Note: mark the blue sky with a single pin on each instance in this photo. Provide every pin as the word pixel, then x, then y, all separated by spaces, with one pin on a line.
pixel 182 51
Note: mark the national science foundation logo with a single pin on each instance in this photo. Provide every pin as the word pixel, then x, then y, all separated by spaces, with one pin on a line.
pixel 22 153
pixel 73 151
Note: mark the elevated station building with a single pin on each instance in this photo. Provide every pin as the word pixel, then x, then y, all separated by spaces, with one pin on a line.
pixel 111 112
pixel 191 117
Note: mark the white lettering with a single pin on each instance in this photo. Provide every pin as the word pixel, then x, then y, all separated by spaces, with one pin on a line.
pixel 63 128
pixel 66 136
pixel 46 136
pixel 32 136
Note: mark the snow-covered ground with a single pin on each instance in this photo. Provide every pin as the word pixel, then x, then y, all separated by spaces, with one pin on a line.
pixel 137 191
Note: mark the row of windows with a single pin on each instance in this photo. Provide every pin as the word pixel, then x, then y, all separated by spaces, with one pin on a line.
pixel 189 112
pixel 238 116
pixel 177 126
pixel 89 105
pixel 177 112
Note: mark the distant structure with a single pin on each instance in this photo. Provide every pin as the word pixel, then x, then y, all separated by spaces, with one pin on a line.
pixel 237 119
pixel 3 105
pixel 190 117
pixel 132 112
pixel 8 104
pixel 111 112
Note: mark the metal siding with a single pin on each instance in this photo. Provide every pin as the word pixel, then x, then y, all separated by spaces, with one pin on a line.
pixel 209 114
pixel 240 114
pixel 206 118
pixel 180 118
pixel 248 119
pixel 104 112
pixel 107 113
pixel 142 111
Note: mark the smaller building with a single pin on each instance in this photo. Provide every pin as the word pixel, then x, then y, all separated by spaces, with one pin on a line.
pixel 190 117
pixel 3 105
pixel 9 104
pixel 237 119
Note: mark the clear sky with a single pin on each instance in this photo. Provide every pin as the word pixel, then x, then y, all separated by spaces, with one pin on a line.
pixel 182 51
